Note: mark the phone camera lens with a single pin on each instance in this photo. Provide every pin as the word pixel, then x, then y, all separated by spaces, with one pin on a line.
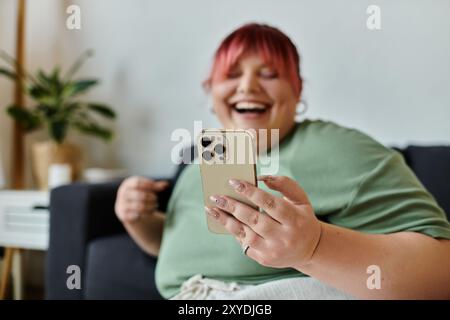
pixel 219 148
pixel 207 155
pixel 206 141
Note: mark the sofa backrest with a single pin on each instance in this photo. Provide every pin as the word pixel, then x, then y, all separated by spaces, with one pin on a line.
pixel 431 164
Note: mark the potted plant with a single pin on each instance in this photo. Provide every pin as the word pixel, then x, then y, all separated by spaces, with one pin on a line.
pixel 57 108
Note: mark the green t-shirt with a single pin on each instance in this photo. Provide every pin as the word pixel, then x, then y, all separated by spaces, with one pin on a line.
pixel 351 180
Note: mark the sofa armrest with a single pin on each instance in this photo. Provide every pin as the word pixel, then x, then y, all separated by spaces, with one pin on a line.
pixel 78 213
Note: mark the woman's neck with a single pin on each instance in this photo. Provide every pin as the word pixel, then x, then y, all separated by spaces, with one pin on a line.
pixel 273 137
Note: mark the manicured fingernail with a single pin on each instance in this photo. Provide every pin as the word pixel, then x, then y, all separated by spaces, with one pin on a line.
pixel 265 178
pixel 220 202
pixel 212 212
pixel 238 186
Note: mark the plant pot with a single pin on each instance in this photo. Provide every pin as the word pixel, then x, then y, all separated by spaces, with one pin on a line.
pixel 46 153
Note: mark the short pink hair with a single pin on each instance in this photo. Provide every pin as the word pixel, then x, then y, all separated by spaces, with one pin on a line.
pixel 274 47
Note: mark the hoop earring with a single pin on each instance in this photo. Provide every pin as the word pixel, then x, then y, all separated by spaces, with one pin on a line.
pixel 210 105
pixel 305 108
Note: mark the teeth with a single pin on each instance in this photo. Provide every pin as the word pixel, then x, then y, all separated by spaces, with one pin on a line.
pixel 250 106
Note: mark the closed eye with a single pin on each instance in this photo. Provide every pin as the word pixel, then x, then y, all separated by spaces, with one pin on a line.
pixel 268 74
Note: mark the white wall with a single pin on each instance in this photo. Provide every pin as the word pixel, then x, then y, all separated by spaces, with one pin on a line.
pixel 153 55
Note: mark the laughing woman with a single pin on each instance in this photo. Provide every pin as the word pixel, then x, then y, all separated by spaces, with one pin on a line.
pixel 341 205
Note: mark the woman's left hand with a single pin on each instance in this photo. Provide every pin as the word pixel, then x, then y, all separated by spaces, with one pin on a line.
pixel 286 235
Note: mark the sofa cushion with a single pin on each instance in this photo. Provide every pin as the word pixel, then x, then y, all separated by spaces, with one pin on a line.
pixel 117 268
pixel 432 167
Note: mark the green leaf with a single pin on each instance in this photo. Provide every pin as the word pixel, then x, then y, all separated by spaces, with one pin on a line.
pixel 55 75
pixel 93 129
pixel 44 79
pixel 44 82
pixel 58 130
pixel 48 112
pixel 13 63
pixel 73 88
pixel 46 91
pixel 15 77
pixel 7 73
pixel 50 82
pixel 70 108
pixel 26 118
pixel 42 94
pixel 102 109
pixel 38 92
pixel 56 84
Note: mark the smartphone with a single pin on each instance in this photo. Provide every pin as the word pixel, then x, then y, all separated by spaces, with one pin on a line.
pixel 225 154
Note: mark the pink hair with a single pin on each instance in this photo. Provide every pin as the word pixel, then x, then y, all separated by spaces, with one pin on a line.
pixel 274 47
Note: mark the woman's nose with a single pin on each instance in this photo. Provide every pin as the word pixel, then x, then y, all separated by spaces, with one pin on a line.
pixel 248 84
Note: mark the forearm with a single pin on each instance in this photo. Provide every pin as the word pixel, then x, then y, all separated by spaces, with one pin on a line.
pixel 412 265
pixel 147 232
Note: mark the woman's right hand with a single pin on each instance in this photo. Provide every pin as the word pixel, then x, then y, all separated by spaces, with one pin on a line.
pixel 136 197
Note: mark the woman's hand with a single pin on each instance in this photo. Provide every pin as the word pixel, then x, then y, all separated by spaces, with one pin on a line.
pixel 286 235
pixel 136 197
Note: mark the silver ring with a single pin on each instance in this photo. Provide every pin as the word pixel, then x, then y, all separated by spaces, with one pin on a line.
pixel 245 249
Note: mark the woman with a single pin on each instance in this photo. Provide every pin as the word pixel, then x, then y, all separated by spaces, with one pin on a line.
pixel 359 208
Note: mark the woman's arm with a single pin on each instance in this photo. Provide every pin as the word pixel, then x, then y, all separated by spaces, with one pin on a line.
pixel 147 232
pixel 412 265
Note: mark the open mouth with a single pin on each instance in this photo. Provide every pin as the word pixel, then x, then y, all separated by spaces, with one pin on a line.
pixel 246 107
